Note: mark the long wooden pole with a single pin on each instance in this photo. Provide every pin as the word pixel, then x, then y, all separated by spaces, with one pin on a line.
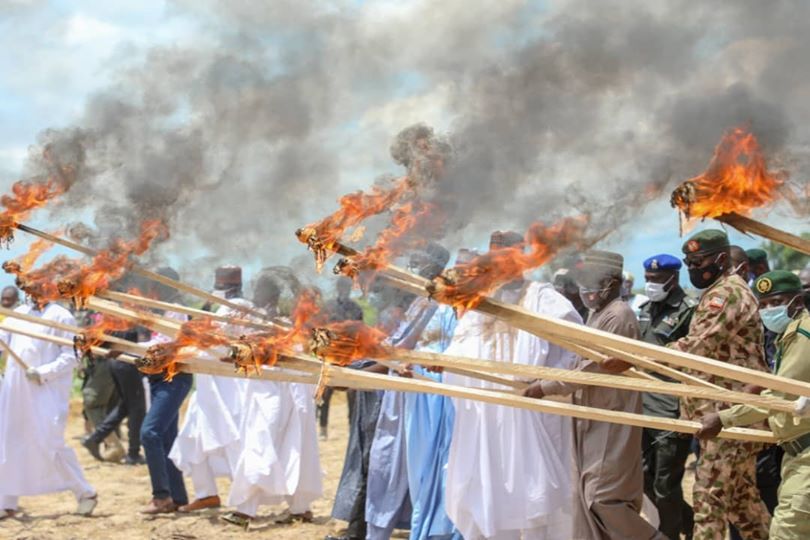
pixel 418 285
pixel 14 356
pixel 145 273
pixel 124 298
pixel 531 372
pixel 373 381
pixel 120 344
pixel 747 225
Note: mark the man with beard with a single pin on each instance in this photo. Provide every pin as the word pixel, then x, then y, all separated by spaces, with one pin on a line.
pixel 782 310
pixel 607 457
pixel 662 320
pixel 508 472
pixel 725 327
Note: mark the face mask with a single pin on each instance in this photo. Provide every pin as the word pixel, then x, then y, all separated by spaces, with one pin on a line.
pixel 697 275
pixel 775 319
pixel 657 292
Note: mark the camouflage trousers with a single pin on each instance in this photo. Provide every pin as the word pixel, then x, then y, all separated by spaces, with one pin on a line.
pixel 791 520
pixel 725 491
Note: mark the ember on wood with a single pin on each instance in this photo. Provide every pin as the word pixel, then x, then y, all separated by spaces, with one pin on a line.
pixel 200 333
pixel 96 333
pixel 343 342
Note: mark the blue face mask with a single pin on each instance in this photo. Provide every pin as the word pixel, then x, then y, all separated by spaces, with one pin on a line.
pixel 775 319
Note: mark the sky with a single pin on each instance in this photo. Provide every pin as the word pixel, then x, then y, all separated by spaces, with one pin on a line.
pixel 261 117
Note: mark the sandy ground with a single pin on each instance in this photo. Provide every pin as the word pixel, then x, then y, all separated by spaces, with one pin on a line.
pixel 124 489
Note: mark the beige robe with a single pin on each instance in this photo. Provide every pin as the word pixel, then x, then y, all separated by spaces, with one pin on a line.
pixel 610 482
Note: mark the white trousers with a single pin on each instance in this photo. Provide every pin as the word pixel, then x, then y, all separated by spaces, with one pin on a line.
pixel 204 480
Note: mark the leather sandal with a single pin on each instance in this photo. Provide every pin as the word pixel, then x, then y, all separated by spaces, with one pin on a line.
pixel 237 518
pixel 159 506
pixel 201 504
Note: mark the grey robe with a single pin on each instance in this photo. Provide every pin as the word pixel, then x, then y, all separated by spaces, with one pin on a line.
pixel 610 481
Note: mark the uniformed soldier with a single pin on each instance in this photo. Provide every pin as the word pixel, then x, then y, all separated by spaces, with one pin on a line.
pixel 725 326
pixel 757 262
pixel 781 309
pixel 663 319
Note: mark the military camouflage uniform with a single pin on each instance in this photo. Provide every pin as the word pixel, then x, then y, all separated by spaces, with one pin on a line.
pixel 664 453
pixel 792 516
pixel 726 327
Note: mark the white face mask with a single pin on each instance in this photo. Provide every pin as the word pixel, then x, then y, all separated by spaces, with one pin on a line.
pixel 657 292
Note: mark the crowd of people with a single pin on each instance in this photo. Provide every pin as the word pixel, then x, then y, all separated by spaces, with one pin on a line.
pixel 450 468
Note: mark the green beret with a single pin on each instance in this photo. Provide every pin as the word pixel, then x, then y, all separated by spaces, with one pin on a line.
pixel 708 240
pixel 777 282
pixel 604 262
pixel 756 255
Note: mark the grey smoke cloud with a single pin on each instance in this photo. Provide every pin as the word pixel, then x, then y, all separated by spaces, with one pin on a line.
pixel 275 109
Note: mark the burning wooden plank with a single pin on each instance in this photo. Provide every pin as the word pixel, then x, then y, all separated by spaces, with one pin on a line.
pixel 145 273
pixel 736 182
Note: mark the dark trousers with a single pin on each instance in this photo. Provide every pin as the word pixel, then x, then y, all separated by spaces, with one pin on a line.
pixel 769 476
pixel 323 408
pixel 158 433
pixel 128 383
pixel 664 459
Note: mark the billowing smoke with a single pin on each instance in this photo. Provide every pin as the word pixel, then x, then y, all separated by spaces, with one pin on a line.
pixel 277 108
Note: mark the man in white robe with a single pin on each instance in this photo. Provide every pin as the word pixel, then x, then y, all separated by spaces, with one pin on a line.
pixel 34 458
pixel 209 443
pixel 278 459
pixel 509 469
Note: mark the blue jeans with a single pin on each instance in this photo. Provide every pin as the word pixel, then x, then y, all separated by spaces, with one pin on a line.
pixel 158 432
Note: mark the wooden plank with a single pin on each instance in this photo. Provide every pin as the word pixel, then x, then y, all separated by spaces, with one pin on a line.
pixel 596 379
pixel 14 356
pixel 164 326
pixel 747 225
pixel 373 381
pixel 124 298
pixel 120 344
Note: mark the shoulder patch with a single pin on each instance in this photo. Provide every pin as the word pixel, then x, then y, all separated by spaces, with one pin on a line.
pixel 717 302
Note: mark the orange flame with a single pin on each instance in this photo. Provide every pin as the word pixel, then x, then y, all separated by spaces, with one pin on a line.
pixel 465 285
pixel 200 333
pixel 737 180
pixel 71 279
pixel 96 334
pixel 343 342
pixel 390 242
pixel 322 237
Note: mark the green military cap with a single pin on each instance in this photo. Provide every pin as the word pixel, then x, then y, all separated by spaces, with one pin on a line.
pixel 708 240
pixel 777 282
pixel 756 255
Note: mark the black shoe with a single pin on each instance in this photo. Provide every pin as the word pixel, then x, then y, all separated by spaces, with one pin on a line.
pixel 92 446
pixel 137 460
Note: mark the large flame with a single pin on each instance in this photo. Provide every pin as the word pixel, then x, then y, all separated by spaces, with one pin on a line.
pixel 96 334
pixel 390 243
pixel 72 279
pixel 195 334
pixel 736 181
pixel 29 195
pixel 344 342
pixel 465 285
pixel 322 237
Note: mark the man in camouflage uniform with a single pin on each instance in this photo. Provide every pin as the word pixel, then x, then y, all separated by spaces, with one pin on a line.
pixel 780 300
pixel 726 327
pixel 663 319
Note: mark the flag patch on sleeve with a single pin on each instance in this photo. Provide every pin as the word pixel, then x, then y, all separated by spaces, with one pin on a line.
pixel 717 302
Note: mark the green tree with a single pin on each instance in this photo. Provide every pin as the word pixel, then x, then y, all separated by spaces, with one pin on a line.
pixel 784 258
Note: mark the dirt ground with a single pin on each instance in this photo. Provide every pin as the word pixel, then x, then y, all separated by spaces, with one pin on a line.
pixel 124 489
